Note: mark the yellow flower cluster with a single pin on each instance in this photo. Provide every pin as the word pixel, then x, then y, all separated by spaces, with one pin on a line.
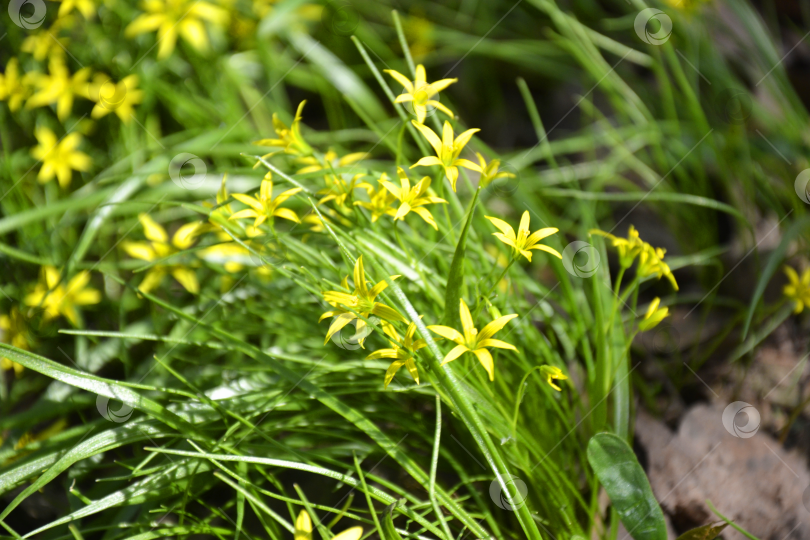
pixel 650 259
pixel 60 88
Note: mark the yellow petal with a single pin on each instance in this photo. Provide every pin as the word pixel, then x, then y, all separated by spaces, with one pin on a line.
pixel 486 360
pixel 187 278
pixel 152 230
pixel 303 526
pixel 457 351
pixel 446 332
pixel 350 534
pixel 489 330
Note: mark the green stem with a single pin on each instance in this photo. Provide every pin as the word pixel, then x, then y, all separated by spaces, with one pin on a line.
pixel 434 462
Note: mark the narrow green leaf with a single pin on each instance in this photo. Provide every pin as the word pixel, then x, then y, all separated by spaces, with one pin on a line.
pixel 97 385
pixel 707 532
pixel 774 261
pixel 630 493
pixel 389 530
pixel 455 279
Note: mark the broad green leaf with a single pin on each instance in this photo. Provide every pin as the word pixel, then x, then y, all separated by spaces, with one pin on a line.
pixel 630 493
pixel 455 279
pixel 707 532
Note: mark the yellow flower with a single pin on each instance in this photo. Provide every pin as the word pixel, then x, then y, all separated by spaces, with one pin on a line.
pixel 86 7
pixel 55 299
pixel 490 172
pixel 420 94
pixel 58 87
pixel 289 138
pixel 651 262
pixel 303 529
pixel 159 247
pixel 551 373
pixel 628 248
pixel 362 301
pixel 14 331
pixel 651 259
pixel 59 158
pixel 45 44
pixel 266 207
pixel 473 341
pixel 412 199
pixel 798 290
pixel 379 202
pixel 330 160
pixel 177 17
pixel 120 97
pixel 339 190
pixel 403 356
pixel 653 316
pixel 13 87
pixel 523 242
pixel 447 150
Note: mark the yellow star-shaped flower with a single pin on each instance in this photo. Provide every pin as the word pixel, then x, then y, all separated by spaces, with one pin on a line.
pixel 266 207
pixel 420 94
pixel 59 158
pixel 447 150
pixel 412 199
pixel 522 243
pixel 473 341
pixel 57 299
pixel 798 289
pixel 402 351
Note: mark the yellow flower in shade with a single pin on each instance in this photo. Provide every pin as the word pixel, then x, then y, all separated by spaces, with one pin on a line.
pixel 177 17
pixel 329 160
pixel 289 138
pixel 116 97
pixel 14 331
pixel 651 262
pixel 473 341
pixel 420 94
pixel 362 301
pixel 266 207
pixel 86 7
pixel 447 150
pixel 56 299
pixel 412 199
pixel 158 248
pixel 379 202
pixel 303 529
pixel 337 189
pixel 490 172
pixel 59 158
pixel 551 373
pixel 58 87
pixel 13 87
pixel 653 316
pixel 651 259
pixel 523 242
pixel 403 355
pixel 798 289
